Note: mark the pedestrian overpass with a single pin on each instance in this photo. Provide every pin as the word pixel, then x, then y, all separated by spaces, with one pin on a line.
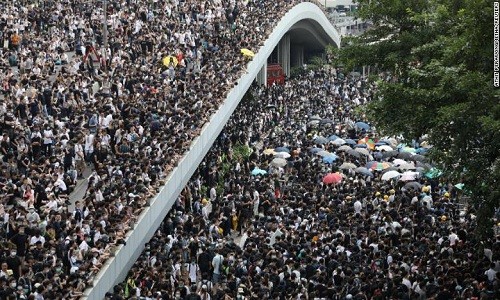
pixel 303 28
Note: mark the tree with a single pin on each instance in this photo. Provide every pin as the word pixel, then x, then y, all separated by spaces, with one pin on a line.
pixel 438 56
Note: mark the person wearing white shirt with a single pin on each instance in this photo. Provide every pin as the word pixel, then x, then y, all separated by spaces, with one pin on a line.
pixel 48 137
pixel 358 207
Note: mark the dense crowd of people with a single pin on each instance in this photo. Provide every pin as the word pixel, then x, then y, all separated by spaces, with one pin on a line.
pixel 246 227
pixel 69 105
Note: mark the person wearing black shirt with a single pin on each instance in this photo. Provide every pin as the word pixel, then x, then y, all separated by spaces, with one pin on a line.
pixel 14 263
pixel 20 239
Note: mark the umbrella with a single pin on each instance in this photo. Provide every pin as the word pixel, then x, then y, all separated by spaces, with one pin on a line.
pixel 407 166
pixel 170 60
pixel 333 137
pixel 329 159
pixel 344 148
pixel 338 142
pixel 390 169
pixel 362 151
pixel 282 149
pixel 258 171
pixel 408 176
pixel 313 123
pixel 384 148
pixel 361 146
pixel 315 150
pixel 247 52
pixel 332 178
pixel 413 185
pixel 404 155
pixel 269 151
pixel 362 125
pixel 387 154
pixel 379 166
pixel 433 173
pixel 326 121
pixel 350 142
pixel 320 140
pixel 408 149
pixel 279 162
pixel 284 155
pixel 347 166
pixel 364 171
pixel 316 117
pixel 390 175
pixel 398 162
pixel 368 142
pixel 460 186
pixel 354 153
pixel 422 165
pixel 323 153
pixel 418 157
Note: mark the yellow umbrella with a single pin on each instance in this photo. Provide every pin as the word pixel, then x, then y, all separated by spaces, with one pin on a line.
pixel 269 152
pixel 167 60
pixel 247 52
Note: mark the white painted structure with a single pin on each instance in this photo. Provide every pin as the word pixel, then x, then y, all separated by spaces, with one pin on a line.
pixel 117 267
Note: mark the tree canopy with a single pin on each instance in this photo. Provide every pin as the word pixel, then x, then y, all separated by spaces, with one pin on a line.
pixel 439 54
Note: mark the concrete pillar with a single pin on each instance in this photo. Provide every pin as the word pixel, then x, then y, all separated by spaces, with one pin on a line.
pixel 262 75
pixel 297 55
pixel 284 54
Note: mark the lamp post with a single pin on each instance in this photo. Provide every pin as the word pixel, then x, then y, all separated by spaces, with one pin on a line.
pixel 105 35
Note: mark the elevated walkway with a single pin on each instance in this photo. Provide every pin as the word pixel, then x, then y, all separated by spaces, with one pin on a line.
pixel 116 268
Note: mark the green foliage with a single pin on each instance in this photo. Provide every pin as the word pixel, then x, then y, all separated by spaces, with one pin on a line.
pixel 241 152
pixel 439 54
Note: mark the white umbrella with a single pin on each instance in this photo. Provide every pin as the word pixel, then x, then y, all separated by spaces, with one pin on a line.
pixel 338 142
pixel 384 148
pixel 407 166
pixel 278 162
pixel 408 176
pixel 282 155
pixel 347 166
pixel 363 151
pixel 344 148
pixel 398 162
pixel 390 175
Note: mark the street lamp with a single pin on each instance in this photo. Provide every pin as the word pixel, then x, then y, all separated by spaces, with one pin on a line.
pixel 105 34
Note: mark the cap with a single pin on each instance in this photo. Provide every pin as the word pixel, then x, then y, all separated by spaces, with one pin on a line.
pixel 377 194
pixel 443 218
pixel 392 191
pixel 447 195
pixel 37 285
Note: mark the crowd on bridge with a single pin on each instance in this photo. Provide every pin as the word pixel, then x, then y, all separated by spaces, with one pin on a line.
pixel 250 226
pixel 116 119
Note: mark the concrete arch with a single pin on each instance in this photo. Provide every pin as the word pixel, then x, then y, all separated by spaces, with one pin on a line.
pixel 116 268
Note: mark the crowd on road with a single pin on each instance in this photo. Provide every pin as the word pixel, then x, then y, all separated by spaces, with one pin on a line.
pixel 68 105
pixel 250 226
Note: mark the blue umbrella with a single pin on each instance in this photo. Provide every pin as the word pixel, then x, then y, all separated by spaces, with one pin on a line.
pixel 282 149
pixel 315 150
pixel 350 142
pixel 258 171
pixel 329 159
pixel 362 125
pixel 360 146
pixel 422 150
pixel 320 140
pixel 332 137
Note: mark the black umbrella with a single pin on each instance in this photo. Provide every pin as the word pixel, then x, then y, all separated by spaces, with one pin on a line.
pixel 354 153
pixel 413 185
pixel 387 154
pixel 404 155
